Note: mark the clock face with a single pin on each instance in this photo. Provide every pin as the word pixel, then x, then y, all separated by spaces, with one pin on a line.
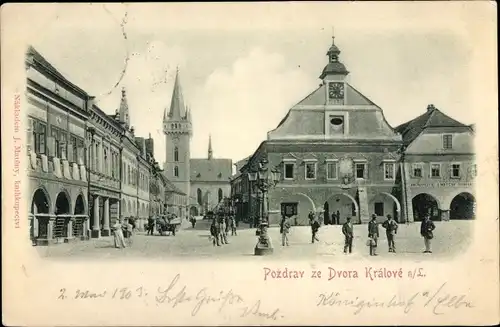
pixel 336 90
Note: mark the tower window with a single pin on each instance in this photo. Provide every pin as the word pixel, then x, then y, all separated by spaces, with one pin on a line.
pixel 176 171
pixel 199 196
pixel 220 195
pixel 176 154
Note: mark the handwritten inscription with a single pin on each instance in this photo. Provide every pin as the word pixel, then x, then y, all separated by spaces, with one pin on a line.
pixel 177 294
pixel 370 273
pixel 439 301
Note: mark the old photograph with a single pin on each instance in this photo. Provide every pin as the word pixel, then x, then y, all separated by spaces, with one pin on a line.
pixel 326 169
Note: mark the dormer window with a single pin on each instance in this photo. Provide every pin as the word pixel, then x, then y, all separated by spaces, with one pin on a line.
pixel 334 57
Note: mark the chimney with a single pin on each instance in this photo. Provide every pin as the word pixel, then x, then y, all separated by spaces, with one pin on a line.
pixel 90 103
pixel 150 146
pixel 430 107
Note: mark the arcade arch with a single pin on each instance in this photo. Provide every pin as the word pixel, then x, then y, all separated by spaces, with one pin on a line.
pixel 463 206
pixel 342 205
pixel 423 204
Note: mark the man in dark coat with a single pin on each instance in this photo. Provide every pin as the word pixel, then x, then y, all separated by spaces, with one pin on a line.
pixel 334 219
pixel 314 229
pixel 373 234
pixel 215 232
pixel 347 230
pixel 337 216
pixel 151 225
pixel 426 229
pixel 391 229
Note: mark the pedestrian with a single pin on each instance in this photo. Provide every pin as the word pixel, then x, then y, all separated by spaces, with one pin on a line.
pixel 347 230
pixel 193 221
pixel 314 229
pixel 426 230
pixel 391 229
pixel 214 232
pixel 334 219
pixel 118 237
pixel 311 217
pixel 233 225
pixel 222 230
pixel 151 225
pixel 337 216
pixel 284 230
pixel 373 235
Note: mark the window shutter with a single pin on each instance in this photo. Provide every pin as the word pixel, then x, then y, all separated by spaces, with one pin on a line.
pixel 450 170
pixel 366 171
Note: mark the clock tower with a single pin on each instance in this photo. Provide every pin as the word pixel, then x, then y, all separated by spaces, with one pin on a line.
pixel 333 76
pixel 178 130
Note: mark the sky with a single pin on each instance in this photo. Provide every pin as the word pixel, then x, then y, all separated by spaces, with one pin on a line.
pixel 243 66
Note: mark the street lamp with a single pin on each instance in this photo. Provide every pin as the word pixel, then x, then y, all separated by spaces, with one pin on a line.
pixel 264 179
pixel 90 130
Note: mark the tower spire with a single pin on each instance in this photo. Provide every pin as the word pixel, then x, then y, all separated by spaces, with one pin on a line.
pixel 210 152
pixel 334 66
pixel 123 110
pixel 177 107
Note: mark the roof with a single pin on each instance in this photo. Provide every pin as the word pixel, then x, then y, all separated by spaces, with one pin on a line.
pixel 211 170
pixel 170 187
pixel 334 68
pixel 39 58
pixel 177 107
pixel 433 117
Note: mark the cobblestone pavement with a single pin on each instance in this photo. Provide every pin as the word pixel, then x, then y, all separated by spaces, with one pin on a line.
pixel 451 238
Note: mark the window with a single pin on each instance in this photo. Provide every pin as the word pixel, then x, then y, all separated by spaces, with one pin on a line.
pixel 310 170
pixel 176 154
pixel 106 161
pixel 360 170
pixel 96 157
pixel 417 170
pixel 389 170
pixel 129 175
pixel 455 170
pixel 73 149
pixel 80 150
pixel 331 170
pixel 289 173
pixel 435 170
pixel 176 171
pixel 379 208
pixel 220 195
pixel 199 196
pixel 473 170
pixel 447 141
pixel 39 131
pixel 59 137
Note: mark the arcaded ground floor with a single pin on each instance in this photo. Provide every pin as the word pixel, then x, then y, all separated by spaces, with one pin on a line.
pixel 451 238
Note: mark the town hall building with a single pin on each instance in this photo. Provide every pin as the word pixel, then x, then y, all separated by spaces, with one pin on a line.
pixel 206 180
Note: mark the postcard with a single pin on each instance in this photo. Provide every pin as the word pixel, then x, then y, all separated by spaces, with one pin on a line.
pixel 293 163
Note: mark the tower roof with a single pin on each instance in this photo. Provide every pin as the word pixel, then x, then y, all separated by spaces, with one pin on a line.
pixel 177 107
pixel 210 152
pixel 334 66
pixel 123 110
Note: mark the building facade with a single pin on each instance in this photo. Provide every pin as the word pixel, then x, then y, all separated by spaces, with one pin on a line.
pixel 206 181
pixel 438 166
pixel 336 153
pixel 86 168
pixel 58 112
pixel 176 201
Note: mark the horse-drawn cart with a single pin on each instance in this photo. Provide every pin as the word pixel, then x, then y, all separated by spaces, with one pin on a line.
pixel 168 224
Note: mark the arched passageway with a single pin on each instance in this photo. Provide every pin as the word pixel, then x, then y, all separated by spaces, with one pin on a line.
pixel 193 211
pixel 463 206
pixel 424 204
pixel 384 204
pixel 79 217
pixel 40 207
pixel 340 207
pixel 62 211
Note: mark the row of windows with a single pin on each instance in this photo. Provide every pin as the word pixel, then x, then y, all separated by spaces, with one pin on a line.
pixel 199 196
pixel 130 175
pixel 60 144
pixel 455 170
pixel 110 159
pixel 332 170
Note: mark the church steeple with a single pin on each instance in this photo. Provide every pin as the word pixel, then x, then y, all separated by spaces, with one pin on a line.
pixel 177 107
pixel 123 113
pixel 210 152
pixel 334 66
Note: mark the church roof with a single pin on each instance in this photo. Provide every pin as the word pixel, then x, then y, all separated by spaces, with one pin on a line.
pixel 211 170
pixel 432 118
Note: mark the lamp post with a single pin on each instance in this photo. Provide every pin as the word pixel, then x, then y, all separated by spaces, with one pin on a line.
pixel 90 130
pixel 264 179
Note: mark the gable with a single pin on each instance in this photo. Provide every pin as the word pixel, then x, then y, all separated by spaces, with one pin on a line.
pixel 211 170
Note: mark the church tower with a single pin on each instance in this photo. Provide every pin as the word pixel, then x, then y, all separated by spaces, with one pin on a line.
pixel 178 130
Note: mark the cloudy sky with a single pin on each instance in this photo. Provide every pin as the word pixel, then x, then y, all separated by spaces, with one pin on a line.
pixel 243 66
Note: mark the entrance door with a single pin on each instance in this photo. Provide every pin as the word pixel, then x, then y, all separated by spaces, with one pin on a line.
pixel 290 209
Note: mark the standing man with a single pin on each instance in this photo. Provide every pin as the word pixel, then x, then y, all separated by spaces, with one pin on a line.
pixel 222 230
pixel 214 231
pixel 334 219
pixel 373 235
pixel 348 232
pixel 391 229
pixel 151 225
pixel 314 229
pixel 233 225
pixel 426 229
pixel 311 217
pixel 284 230
pixel 337 222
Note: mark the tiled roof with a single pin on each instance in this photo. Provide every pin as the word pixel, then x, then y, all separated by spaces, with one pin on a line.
pixel 211 170
pixel 431 118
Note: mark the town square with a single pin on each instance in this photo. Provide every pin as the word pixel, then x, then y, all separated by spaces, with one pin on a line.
pixel 146 170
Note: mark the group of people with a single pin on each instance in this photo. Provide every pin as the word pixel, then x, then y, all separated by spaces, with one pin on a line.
pixel 220 227
pixel 390 225
pixel 123 230
pixel 161 223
